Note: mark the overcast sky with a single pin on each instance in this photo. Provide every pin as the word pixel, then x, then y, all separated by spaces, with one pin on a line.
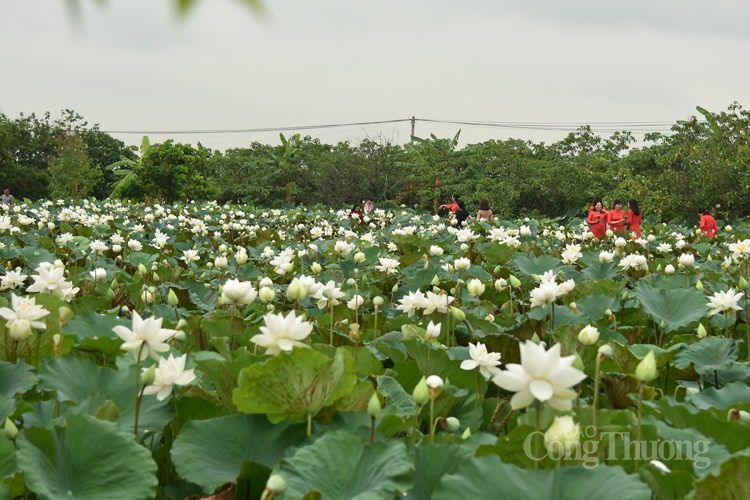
pixel 134 65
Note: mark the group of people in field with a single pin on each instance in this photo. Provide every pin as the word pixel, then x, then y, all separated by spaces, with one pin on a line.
pixel 617 220
pixel 461 215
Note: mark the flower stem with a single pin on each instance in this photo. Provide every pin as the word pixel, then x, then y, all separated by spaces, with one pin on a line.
pixel 596 389
pixel 538 432
pixel 331 304
pixel 309 424
pixel 137 379
pixel 641 386
pixel 432 417
pixel 414 425
pixel 476 403
pixel 137 410
pixel 375 331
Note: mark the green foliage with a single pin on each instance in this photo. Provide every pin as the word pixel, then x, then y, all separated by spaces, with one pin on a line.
pixel 72 174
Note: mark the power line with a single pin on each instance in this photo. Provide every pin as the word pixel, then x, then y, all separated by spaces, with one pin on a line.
pixel 636 126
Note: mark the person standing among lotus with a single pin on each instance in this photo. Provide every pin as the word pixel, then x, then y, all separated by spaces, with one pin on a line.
pixel 597 220
pixel 708 223
pixel 453 207
pixel 616 218
pixel 357 211
pixel 634 218
pixel 7 199
pixel 484 211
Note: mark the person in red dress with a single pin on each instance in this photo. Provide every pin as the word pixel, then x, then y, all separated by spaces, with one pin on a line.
pixel 357 210
pixel 616 218
pixel 708 224
pixel 597 220
pixel 453 207
pixel 634 218
pixel 597 199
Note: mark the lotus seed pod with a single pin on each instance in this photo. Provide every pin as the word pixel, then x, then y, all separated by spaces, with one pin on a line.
pixel 64 312
pixel 741 415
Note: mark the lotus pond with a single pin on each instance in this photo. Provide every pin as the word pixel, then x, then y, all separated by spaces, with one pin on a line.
pixel 205 351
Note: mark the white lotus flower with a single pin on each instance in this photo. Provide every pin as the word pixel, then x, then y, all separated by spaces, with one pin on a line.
pixel 23 316
pixel 388 266
pixel 605 256
pixel 664 247
pixel 170 372
pixel 436 250
pixel 486 361
pixel 98 274
pixel 282 333
pixel 412 303
pixel 355 303
pixel 221 262
pixel 189 256
pixel 238 293
pixel 433 331
pixel 741 249
pixel 135 245
pixel 12 279
pixel 50 280
pixel 724 301
pixel 343 248
pixel 544 294
pixel 686 259
pixel 462 264
pixel 542 375
pixel 334 293
pixel 146 333
pixel 98 247
pixel 669 269
pixel 589 335
pixel 476 288
pixel 437 302
pixel 525 230
pixel 434 382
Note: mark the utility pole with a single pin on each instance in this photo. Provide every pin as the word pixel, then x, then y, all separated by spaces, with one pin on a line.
pixel 413 122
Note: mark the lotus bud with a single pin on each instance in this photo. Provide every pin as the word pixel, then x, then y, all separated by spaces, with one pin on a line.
pixel 359 257
pixel 535 338
pixel 514 282
pixel 344 322
pixel 578 362
pixel 662 324
pixel 500 284
pixel 702 331
pixel 562 436
pixel 616 253
pixel 149 375
pixel 743 284
pixel 374 409
pixel 458 314
pixel 65 312
pixel 110 294
pixel 646 369
pixel 588 335
pixel 658 268
pixel 276 485
pixel 490 318
pixel 378 301
pixel 574 306
pixel 172 298
pixel 351 282
pixel 180 336
pixel 421 394
pixel 536 277
pixel 267 294
pixel 466 434
pixel 241 258
pixel 497 269
pixel 11 431
pixel 699 285
pixel 315 268
pixel 435 280
pixel 651 238
pixel 182 324
pixel 452 424
pixel 394 289
pixel 142 269
pixel 709 259
pixel 295 290
pixel 625 295
pixel 741 415
pixel 125 310
pixel 605 351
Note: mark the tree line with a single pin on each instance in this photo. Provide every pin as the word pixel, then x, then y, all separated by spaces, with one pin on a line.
pixel 699 163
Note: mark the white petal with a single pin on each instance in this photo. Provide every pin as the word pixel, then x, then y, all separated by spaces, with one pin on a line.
pixel 521 399
pixel 469 364
pixel 541 389
pixel 510 381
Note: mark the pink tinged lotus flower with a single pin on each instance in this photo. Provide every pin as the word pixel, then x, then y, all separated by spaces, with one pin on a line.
pixel 146 333
pixel 486 361
pixel 542 375
pixel 724 301
pixel 282 333
pixel 170 372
